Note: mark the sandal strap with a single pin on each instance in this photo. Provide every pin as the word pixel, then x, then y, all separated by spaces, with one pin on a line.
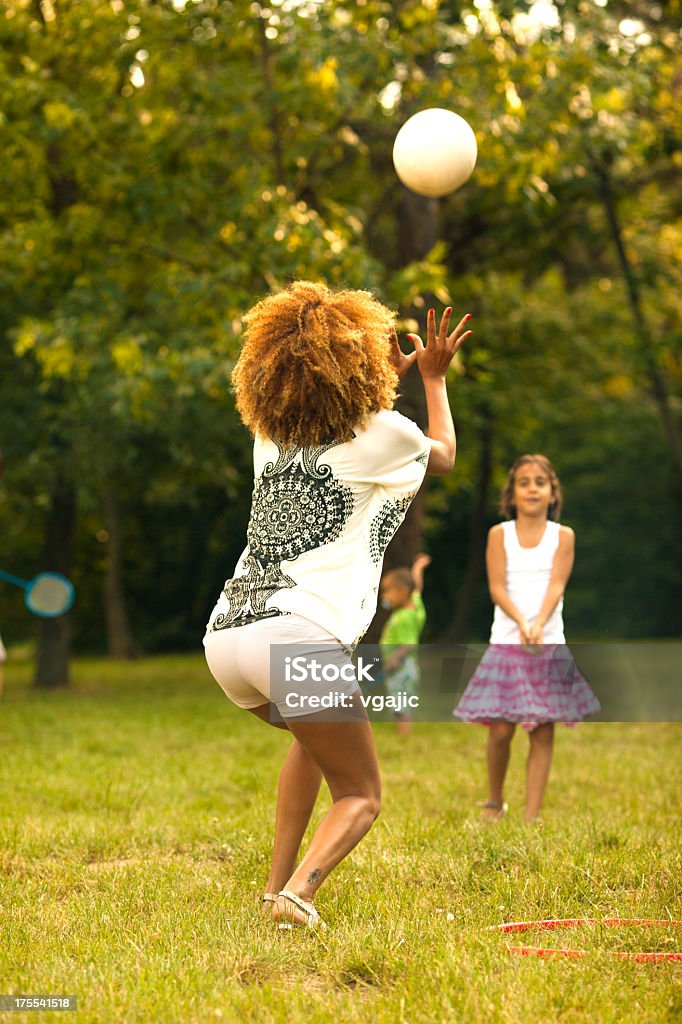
pixel 304 905
pixel 313 919
pixel 501 810
pixel 269 897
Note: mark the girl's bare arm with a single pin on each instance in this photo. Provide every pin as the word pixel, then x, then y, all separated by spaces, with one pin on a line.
pixel 496 564
pixel 561 571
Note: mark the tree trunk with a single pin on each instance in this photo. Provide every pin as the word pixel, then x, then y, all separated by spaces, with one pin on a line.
pixel 457 633
pixel 419 234
pixel 120 642
pixel 54 651
pixel 657 382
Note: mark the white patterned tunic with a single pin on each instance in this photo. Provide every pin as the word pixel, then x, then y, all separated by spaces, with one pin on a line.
pixel 321 518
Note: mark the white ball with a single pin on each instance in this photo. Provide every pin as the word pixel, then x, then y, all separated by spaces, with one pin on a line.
pixel 434 152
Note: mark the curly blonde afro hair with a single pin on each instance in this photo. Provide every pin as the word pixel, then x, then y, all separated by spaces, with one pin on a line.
pixel 315 364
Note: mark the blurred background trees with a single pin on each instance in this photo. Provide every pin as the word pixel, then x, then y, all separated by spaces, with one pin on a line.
pixel 166 163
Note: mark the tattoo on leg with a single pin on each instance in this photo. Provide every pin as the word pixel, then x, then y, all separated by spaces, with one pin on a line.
pixel 314 875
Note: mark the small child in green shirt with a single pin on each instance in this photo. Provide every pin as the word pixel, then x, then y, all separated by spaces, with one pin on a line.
pixel 401 591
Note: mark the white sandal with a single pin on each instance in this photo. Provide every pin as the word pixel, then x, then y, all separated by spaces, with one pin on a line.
pixel 268 897
pixel 491 805
pixel 313 919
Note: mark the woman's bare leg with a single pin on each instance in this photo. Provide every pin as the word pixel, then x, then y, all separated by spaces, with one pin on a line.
pixel 346 755
pixel 537 768
pixel 299 785
pixel 500 735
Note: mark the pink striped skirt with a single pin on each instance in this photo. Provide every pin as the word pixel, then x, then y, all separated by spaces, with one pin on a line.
pixel 511 684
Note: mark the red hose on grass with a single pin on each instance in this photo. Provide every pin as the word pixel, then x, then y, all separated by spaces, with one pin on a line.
pixel 575 922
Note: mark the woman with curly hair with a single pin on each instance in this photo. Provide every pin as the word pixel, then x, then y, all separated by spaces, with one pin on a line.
pixel 335 470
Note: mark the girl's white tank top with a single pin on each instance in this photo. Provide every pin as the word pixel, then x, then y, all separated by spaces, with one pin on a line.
pixel 528 571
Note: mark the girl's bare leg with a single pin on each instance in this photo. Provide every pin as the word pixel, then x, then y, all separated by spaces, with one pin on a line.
pixel 537 768
pixel 403 725
pixel 500 735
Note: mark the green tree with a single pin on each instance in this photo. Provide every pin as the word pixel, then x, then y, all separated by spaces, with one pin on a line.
pixel 166 163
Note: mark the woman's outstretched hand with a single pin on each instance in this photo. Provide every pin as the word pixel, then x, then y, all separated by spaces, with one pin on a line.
pixel 401 363
pixel 434 358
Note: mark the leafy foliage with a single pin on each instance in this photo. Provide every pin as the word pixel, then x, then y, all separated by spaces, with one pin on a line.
pixel 166 163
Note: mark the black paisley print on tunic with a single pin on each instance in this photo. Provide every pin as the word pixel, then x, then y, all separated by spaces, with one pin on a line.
pixel 296 506
pixel 384 525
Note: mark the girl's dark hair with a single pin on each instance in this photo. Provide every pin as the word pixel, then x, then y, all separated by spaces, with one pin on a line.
pixel 507 506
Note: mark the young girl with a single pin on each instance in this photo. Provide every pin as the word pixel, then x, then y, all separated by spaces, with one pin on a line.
pixel 335 470
pixel 527 674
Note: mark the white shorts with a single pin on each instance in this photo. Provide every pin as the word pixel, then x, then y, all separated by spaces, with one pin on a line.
pixel 254 665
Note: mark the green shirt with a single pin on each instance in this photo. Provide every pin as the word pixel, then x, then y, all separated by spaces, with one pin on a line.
pixel 404 625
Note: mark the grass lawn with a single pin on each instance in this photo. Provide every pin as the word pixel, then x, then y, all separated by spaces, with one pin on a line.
pixel 135 826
